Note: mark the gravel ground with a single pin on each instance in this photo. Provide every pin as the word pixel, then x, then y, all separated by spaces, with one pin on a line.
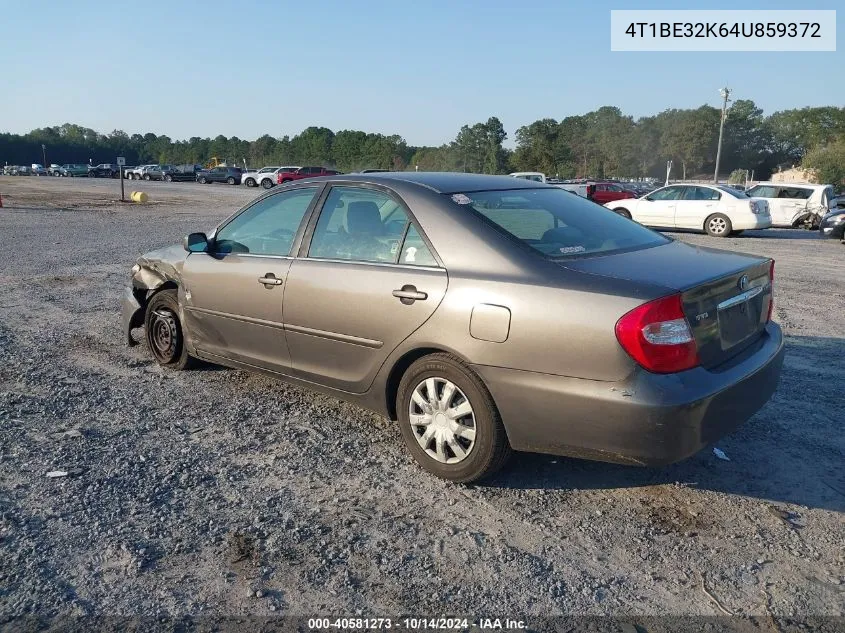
pixel 220 492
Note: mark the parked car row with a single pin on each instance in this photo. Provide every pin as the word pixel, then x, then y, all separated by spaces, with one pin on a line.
pixel 167 173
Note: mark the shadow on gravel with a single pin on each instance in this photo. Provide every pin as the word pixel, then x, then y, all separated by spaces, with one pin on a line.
pixel 771 234
pixel 782 234
pixel 791 451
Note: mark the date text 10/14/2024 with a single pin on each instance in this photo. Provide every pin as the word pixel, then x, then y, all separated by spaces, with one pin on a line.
pixel 416 623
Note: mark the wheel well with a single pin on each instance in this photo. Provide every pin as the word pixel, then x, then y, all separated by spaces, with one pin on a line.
pixel 144 296
pixel 399 369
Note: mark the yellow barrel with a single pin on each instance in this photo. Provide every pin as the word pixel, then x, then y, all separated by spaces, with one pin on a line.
pixel 139 196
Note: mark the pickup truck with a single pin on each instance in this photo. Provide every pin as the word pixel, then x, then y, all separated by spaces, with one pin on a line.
pixel 303 172
pixel 104 170
pixel 179 173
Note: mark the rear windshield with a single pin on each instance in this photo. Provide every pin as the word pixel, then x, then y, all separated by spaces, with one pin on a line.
pixel 557 223
pixel 736 193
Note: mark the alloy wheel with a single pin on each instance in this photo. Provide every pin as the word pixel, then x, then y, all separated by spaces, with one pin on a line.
pixel 717 226
pixel 442 420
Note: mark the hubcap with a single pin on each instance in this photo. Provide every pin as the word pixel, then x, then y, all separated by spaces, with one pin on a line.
pixel 163 334
pixel 442 420
pixel 718 225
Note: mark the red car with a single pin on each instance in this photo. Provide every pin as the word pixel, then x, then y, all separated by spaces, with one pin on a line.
pixel 305 172
pixel 603 192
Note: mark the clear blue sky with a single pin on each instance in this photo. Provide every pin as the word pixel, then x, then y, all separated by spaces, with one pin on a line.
pixel 418 69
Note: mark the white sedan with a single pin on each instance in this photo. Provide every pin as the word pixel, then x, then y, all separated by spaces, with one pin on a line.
pixel 714 209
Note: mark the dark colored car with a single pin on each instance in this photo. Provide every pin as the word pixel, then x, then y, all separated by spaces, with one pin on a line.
pixel 304 172
pixel 483 313
pixel 833 224
pixel 229 175
pixel 180 173
pixel 72 171
pixel 104 170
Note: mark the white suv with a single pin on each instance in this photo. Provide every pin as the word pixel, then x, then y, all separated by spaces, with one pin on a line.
pixel 789 203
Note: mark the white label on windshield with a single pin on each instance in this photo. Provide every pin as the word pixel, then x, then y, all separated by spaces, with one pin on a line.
pixel 462 199
pixel 568 250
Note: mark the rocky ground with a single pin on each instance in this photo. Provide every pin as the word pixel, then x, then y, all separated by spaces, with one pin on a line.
pixel 219 492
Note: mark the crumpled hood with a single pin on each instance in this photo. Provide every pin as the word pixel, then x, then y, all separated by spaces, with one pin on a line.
pixel 160 265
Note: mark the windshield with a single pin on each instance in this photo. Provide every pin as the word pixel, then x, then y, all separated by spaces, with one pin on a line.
pixel 558 224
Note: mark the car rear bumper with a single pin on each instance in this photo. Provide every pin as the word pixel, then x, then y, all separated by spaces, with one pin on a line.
pixel 131 314
pixel 647 419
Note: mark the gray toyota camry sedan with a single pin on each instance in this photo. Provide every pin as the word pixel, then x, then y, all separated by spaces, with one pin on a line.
pixel 483 314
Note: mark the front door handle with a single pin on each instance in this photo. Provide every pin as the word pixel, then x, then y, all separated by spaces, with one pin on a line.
pixel 269 280
pixel 408 294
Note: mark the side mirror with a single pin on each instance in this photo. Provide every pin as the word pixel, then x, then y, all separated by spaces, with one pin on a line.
pixel 195 243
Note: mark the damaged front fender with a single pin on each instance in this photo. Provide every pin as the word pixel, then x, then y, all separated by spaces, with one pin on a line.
pixel 153 270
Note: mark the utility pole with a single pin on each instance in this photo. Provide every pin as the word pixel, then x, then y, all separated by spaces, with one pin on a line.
pixel 44 155
pixel 726 93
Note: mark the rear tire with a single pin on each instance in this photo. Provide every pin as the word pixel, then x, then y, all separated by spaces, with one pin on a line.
pixel 168 178
pixel 203 180
pixel 267 183
pixel 250 182
pixel 147 177
pixel 480 443
pixel 163 332
pixel 230 180
pixel 718 225
pixel 623 212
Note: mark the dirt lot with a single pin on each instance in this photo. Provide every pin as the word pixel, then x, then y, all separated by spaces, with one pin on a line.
pixel 220 492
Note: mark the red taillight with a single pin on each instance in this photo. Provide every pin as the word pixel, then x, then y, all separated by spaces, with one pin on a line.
pixel 278 179
pixel 657 336
pixel 771 290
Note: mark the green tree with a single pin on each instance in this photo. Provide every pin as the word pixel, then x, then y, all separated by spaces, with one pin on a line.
pixel 828 162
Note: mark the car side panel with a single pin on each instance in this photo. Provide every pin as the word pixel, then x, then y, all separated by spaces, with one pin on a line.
pixel 690 214
pixel 342 319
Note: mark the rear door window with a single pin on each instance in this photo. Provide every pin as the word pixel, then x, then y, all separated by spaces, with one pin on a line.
pixel 701 194
pixel 794 193
pixel 359 224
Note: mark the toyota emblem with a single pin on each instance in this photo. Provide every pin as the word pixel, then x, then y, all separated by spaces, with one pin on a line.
pixel 743 282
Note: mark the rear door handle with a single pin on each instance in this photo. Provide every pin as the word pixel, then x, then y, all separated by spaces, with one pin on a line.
pixel 269 280
pixel 408 294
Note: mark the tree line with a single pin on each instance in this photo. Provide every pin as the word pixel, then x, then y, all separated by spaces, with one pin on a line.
pixel 601 144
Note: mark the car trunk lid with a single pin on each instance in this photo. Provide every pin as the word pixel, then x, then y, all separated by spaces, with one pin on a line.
pixel 725 295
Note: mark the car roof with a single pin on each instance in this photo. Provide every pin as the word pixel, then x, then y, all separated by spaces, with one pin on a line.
pixel 791 184
pixel 444 182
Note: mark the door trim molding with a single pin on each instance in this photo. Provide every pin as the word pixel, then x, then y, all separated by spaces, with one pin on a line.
pixel 236 317
pixel 335 336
